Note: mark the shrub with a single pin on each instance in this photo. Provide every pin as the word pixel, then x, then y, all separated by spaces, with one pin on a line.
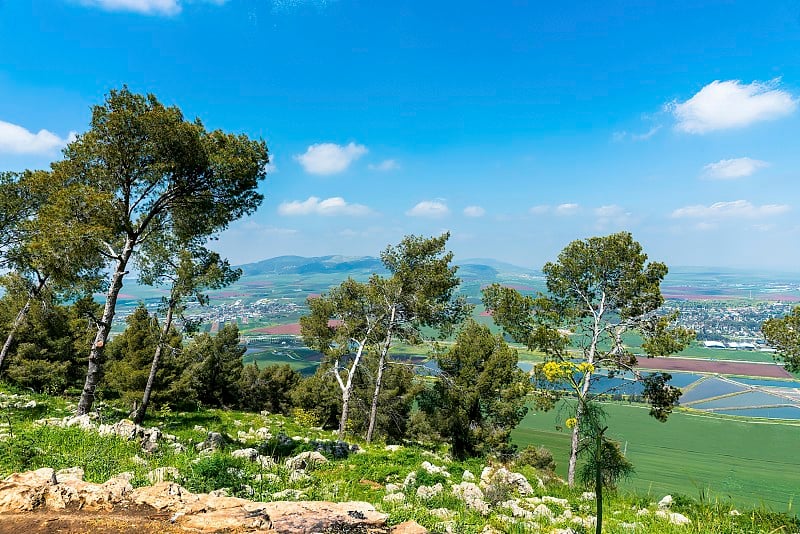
pixel 538 457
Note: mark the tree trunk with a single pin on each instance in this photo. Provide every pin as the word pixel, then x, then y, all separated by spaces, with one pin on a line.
pixel 573 452
pixel 96 353
pixel 20 318
pixel 345 413
pixel 148 389
pixel 373 412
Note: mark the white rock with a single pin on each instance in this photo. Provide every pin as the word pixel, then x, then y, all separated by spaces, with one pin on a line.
pixel 673 517
pixel 394 497
pixel 442 513
pixel 249 454
pixel 542 511
pixel 472 496
pixel 393 488
pixel 427 492
pixel 588 496
pixel 160 474
pixel 734 512
pixel 410 480
pixel 665 503
pixel 468 476
pixel 393 448
pixel 434 470
pixel 564 503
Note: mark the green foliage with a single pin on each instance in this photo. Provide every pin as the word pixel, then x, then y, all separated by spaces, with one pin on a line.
pixel 212 369
pixel 599 289
pixel 47 351
pixel 218 471
pixel 130 355
pixel 784 334
pixel 538 457
pixel 268 389
pixel 480 394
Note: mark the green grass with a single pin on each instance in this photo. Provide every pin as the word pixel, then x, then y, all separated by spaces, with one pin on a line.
pixel 363 476
pixel 744 462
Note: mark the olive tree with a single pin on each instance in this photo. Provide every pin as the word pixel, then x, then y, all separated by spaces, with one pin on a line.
pixel 599 289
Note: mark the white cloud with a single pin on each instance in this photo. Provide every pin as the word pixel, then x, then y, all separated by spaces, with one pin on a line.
pixel 474 211
pixel 330 158
pixel 329 206
pixel 611 210
pixel 735 209
pixel 15 139
pixel 385 165
pixel 429 208
pixel 567 209
pixel 621 136
pixel 726 169
pixel 146 7
pixel 541 209
pixel 732 104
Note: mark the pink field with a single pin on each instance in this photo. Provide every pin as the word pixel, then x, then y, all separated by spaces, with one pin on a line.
pixel 768 370
pixel 292 329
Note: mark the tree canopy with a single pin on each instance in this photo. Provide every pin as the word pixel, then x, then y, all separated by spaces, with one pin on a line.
pixel 598 290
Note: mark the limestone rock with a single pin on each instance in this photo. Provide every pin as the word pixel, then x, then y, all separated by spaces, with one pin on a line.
pixel 409 527
pixel 306 460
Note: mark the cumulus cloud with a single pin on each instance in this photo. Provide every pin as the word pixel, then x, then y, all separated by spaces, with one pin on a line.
pixel 385 165
pixel 567 209
pixel 474 211
pixel 329 206
pixel 15 139
pixel 732 104
pixel 429 208
pixel 735 209
pixel 726 169
pixel 330 158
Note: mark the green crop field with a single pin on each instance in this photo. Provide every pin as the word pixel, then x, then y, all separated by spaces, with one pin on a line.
pixel 746 462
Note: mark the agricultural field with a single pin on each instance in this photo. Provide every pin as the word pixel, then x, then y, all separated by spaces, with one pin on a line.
pixel 747 462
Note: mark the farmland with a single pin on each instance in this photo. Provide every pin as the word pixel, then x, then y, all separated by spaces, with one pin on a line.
pixel 747 462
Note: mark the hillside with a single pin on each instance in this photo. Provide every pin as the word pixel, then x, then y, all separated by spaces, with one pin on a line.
pixel 274 459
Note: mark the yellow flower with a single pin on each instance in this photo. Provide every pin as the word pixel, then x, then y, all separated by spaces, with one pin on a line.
pixel 586 367
pixel 571 422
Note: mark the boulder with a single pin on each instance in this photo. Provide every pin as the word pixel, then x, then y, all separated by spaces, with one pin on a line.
pixel 306 460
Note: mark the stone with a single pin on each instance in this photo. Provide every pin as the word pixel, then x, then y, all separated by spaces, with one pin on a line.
pixel 665 503
pixel 70 473
pixel 394 497
pixel 435 470
pixel 674 517
pixel 472 496
pixel 213 442
pixel 249 454
pixel 468 476
pixel 410 480
pixel 427 492
pixel 408 527
pixel 542 511
pixel 588 496
pixel 306 460
pixel 393 448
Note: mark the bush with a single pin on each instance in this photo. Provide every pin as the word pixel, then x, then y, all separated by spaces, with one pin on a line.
pixel 538 457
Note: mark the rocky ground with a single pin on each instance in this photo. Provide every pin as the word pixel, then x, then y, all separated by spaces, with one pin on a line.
pixel 45 501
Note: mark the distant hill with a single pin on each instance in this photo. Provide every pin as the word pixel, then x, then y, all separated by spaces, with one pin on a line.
pixel 469 269
pixel 319 264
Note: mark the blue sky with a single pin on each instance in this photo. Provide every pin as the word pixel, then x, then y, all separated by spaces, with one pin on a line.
pixel 518 126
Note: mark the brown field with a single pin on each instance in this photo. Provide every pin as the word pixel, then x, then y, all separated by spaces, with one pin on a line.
pixel 767 370
pixel 292 329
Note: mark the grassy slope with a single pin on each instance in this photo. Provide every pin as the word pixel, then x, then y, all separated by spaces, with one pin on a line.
pixel 746 462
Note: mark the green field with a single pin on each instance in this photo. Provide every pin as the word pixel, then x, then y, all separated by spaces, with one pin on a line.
pixel 748 463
